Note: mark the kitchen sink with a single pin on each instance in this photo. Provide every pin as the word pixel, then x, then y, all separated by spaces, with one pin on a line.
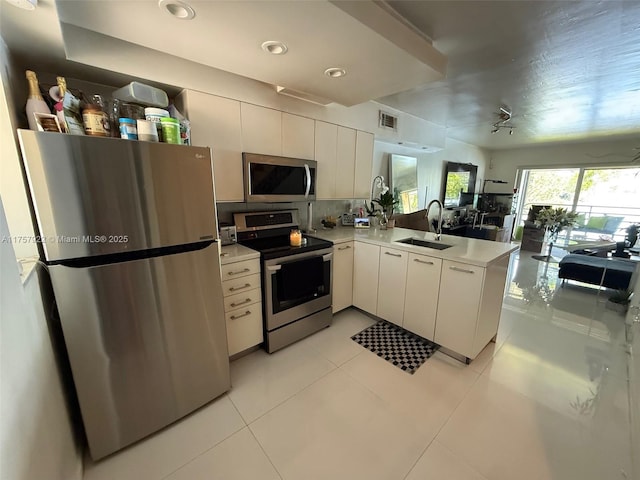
pixel 425 243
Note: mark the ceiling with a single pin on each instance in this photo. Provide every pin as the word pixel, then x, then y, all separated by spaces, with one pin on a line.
pixel 568 71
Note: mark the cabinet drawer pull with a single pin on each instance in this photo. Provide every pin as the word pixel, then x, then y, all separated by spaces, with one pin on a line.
pixel 393 254
pixel 458 269
pixel 244 270
pixel 233 289
pixel 422 261
pixel 344 248
pixel 244 302
pixel 235 317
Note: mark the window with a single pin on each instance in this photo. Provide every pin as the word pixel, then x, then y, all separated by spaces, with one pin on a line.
pixel 607 199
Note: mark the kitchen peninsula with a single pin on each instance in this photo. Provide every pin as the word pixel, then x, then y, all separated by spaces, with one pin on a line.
pixel 451 296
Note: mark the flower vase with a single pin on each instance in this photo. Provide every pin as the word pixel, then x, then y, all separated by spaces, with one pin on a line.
pixel 384 220
pixel 550 237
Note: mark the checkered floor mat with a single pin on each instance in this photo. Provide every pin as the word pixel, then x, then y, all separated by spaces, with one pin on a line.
pixel 397 346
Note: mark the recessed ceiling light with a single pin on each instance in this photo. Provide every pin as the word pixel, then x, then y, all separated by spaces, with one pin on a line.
pixel 335 72
pixel 275 47
pixel 24 4
pixel 177 9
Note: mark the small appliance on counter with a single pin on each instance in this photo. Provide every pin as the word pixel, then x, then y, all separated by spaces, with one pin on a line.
pixel 227 234
pixel 348 219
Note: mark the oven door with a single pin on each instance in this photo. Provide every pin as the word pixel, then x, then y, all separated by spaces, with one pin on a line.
pixel 296 286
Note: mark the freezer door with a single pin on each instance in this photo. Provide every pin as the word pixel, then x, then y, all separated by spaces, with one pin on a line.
pixel 146 340
pixel 97 196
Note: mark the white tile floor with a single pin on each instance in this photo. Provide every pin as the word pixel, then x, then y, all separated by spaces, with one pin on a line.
pixel 547 401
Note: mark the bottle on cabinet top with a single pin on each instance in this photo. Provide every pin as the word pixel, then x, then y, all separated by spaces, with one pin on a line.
pixel 35 102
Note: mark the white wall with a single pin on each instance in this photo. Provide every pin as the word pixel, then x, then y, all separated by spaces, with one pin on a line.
pixel 431 165
pixel 505 163
pixel 36 434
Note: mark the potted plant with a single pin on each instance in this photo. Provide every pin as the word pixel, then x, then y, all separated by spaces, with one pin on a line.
pixel 387 203
pixel 620 300
pixel 554 220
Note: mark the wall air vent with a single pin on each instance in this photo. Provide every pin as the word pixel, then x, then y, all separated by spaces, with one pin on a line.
pixel 387 121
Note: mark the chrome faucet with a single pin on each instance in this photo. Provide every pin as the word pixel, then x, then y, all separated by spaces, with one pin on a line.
pixel 439 227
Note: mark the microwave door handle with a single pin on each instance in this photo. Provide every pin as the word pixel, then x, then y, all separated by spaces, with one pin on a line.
pixel 308 172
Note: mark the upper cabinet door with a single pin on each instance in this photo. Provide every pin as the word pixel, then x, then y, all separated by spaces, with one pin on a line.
pixel 326 148
pixel 364 164
pixel 346 159
pixel 297 136
pixel 261 129
pixel 215 122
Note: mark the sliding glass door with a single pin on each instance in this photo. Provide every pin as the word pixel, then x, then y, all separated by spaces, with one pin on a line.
pixel 607 199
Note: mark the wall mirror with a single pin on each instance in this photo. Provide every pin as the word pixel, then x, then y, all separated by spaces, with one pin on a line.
pixel 403 172
pixel 459 184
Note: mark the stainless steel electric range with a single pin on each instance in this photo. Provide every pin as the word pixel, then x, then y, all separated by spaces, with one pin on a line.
pixel 296 280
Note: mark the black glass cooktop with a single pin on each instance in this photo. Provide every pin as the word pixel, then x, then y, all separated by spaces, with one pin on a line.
pixel 276 247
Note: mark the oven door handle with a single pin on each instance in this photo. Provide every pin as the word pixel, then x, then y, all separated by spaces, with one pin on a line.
pixel 274 268
pixel 308 172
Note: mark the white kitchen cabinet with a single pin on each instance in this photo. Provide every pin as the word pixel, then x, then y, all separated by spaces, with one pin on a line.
pixel 261 129
pixel 242 304
pixel 342 288
pixel 363 164
pixel 244 328
pixel 345 162
pixel 345 159
pixel 458 306
pixel 298 136
pixel 366 260
pixel 231 271
pixel 215 123
pixel 421 297
pixel 469 305
pixel 241 284
pixel 326 144
pixel 392 278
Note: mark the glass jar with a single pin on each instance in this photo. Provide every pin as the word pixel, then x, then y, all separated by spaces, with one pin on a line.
pixel 295 238
pixel 95 119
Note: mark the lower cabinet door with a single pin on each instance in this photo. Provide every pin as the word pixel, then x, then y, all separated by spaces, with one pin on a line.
pixel 366 260
pixel 244 328
pixel 421 297
pixel 458 306
pixel 391 284
pixel 342 288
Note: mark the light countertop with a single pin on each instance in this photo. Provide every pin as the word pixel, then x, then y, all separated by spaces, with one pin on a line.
pixel 236 253
pixel 471 251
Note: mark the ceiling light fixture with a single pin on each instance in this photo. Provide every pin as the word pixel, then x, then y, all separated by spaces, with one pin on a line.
pixel 24 4
pixel 275 47
pixel 504 116
pixel 177 9
pixel 335 72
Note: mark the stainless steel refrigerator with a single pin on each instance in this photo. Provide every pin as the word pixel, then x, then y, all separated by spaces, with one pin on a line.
pixel 128 235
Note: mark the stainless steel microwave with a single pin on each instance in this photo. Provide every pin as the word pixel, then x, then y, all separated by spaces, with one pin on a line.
pixel 268 178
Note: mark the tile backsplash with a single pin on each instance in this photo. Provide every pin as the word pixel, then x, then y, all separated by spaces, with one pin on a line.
pixel 321 208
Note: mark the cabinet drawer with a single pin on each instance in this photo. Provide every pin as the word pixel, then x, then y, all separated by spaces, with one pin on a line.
pixel 240 269
pixel 241 285
pixel 244 328
pixel 242 299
